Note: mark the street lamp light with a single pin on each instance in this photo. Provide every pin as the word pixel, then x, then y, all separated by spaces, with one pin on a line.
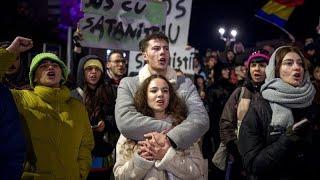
pixel 228 39
pixel 222 31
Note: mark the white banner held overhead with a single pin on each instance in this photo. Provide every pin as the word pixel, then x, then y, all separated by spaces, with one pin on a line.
pixel 178 21
pixel 120 24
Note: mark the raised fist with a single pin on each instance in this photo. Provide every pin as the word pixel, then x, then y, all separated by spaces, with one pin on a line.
pixel 20 44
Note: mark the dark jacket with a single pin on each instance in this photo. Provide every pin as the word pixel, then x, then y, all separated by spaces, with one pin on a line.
pixel 103 100
pixel 12 139
pixel 273 153
pixel 228 120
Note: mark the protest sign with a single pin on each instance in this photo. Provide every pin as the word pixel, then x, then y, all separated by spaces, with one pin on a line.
pixel 120 24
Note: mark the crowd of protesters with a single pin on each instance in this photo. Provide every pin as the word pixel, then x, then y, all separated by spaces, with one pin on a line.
pixel 257 108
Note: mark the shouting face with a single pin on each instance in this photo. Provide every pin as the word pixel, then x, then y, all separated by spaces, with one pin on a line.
pixel 157 55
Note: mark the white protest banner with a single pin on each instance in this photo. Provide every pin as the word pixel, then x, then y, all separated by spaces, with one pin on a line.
pixel 178 21
pixel 120 24
pixel 179 59
pixel 177 30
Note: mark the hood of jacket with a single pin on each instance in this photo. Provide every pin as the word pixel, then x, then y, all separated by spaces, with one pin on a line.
pixel 80 71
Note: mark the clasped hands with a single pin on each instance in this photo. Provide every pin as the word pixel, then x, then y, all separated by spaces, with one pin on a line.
pixel 155 146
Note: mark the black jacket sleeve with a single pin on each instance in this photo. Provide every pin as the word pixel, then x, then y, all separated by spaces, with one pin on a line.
pixel 264 150
pixel 12 139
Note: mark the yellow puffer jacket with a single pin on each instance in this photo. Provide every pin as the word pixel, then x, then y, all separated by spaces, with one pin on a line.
pixel 60 132
pixel 6 59
pixel 59 128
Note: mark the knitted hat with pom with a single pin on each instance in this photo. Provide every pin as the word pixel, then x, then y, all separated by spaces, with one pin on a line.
pixel 46 56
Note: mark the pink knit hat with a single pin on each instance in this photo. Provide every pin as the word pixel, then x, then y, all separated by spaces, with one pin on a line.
pixel 257 55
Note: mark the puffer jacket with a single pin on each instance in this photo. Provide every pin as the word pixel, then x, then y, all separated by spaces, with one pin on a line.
pixel 272 153
pixel 6 58
pixel 59 129
pixel 60 132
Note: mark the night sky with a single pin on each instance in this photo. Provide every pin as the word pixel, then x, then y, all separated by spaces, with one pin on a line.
pixel 208 15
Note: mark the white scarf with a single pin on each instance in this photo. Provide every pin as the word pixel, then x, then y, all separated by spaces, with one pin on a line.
pixel 144 73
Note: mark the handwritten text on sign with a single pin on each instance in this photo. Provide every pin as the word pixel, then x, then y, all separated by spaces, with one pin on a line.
pixel 179 59
pixel 120 24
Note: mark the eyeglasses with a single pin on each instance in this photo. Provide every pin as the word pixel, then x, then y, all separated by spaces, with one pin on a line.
pixel 119 61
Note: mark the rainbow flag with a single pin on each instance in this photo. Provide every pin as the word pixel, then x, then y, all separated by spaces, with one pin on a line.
pixel 278 12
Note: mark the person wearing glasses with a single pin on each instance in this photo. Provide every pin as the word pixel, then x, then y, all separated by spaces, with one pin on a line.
pixel 278 138
pixel 116 68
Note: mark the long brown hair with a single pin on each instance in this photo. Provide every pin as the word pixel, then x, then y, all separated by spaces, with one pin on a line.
pixel 176 108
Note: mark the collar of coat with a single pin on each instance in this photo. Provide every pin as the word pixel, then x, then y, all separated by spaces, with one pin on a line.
pixel 52 95
pixel 144 73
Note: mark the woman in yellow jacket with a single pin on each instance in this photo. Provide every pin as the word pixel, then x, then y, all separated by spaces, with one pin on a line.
pixel 56 123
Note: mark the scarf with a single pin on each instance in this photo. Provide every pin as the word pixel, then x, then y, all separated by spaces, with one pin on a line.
pixel 282 96
pixel 144 73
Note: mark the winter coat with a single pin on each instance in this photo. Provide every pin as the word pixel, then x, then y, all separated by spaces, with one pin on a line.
pixel 270 153
pixel 134 125
pixel 12 139
pixel 58 127
pixel 186 164
pixel 235 109
pixel 6 59
pixel 106 140
pixel 60 132
pixel 183 164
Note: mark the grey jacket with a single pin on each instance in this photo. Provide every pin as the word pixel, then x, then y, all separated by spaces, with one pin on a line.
pixel 134 125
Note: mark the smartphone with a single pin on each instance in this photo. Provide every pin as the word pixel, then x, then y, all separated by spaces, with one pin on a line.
pixel 95 126
pixel 300 124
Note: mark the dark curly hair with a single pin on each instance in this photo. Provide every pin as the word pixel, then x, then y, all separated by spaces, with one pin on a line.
pixel 176 108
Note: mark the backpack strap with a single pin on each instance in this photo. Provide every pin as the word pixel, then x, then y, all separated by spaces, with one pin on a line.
pixel 241 94
pixel 242 108
pixel 80 91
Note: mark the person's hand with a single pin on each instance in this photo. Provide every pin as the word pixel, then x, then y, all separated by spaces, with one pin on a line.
pixel 299 129
pixel 100 127
pixel 144 150
pixel 157 144
pixel 20 44
pixel 77 38
pixel 157 138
